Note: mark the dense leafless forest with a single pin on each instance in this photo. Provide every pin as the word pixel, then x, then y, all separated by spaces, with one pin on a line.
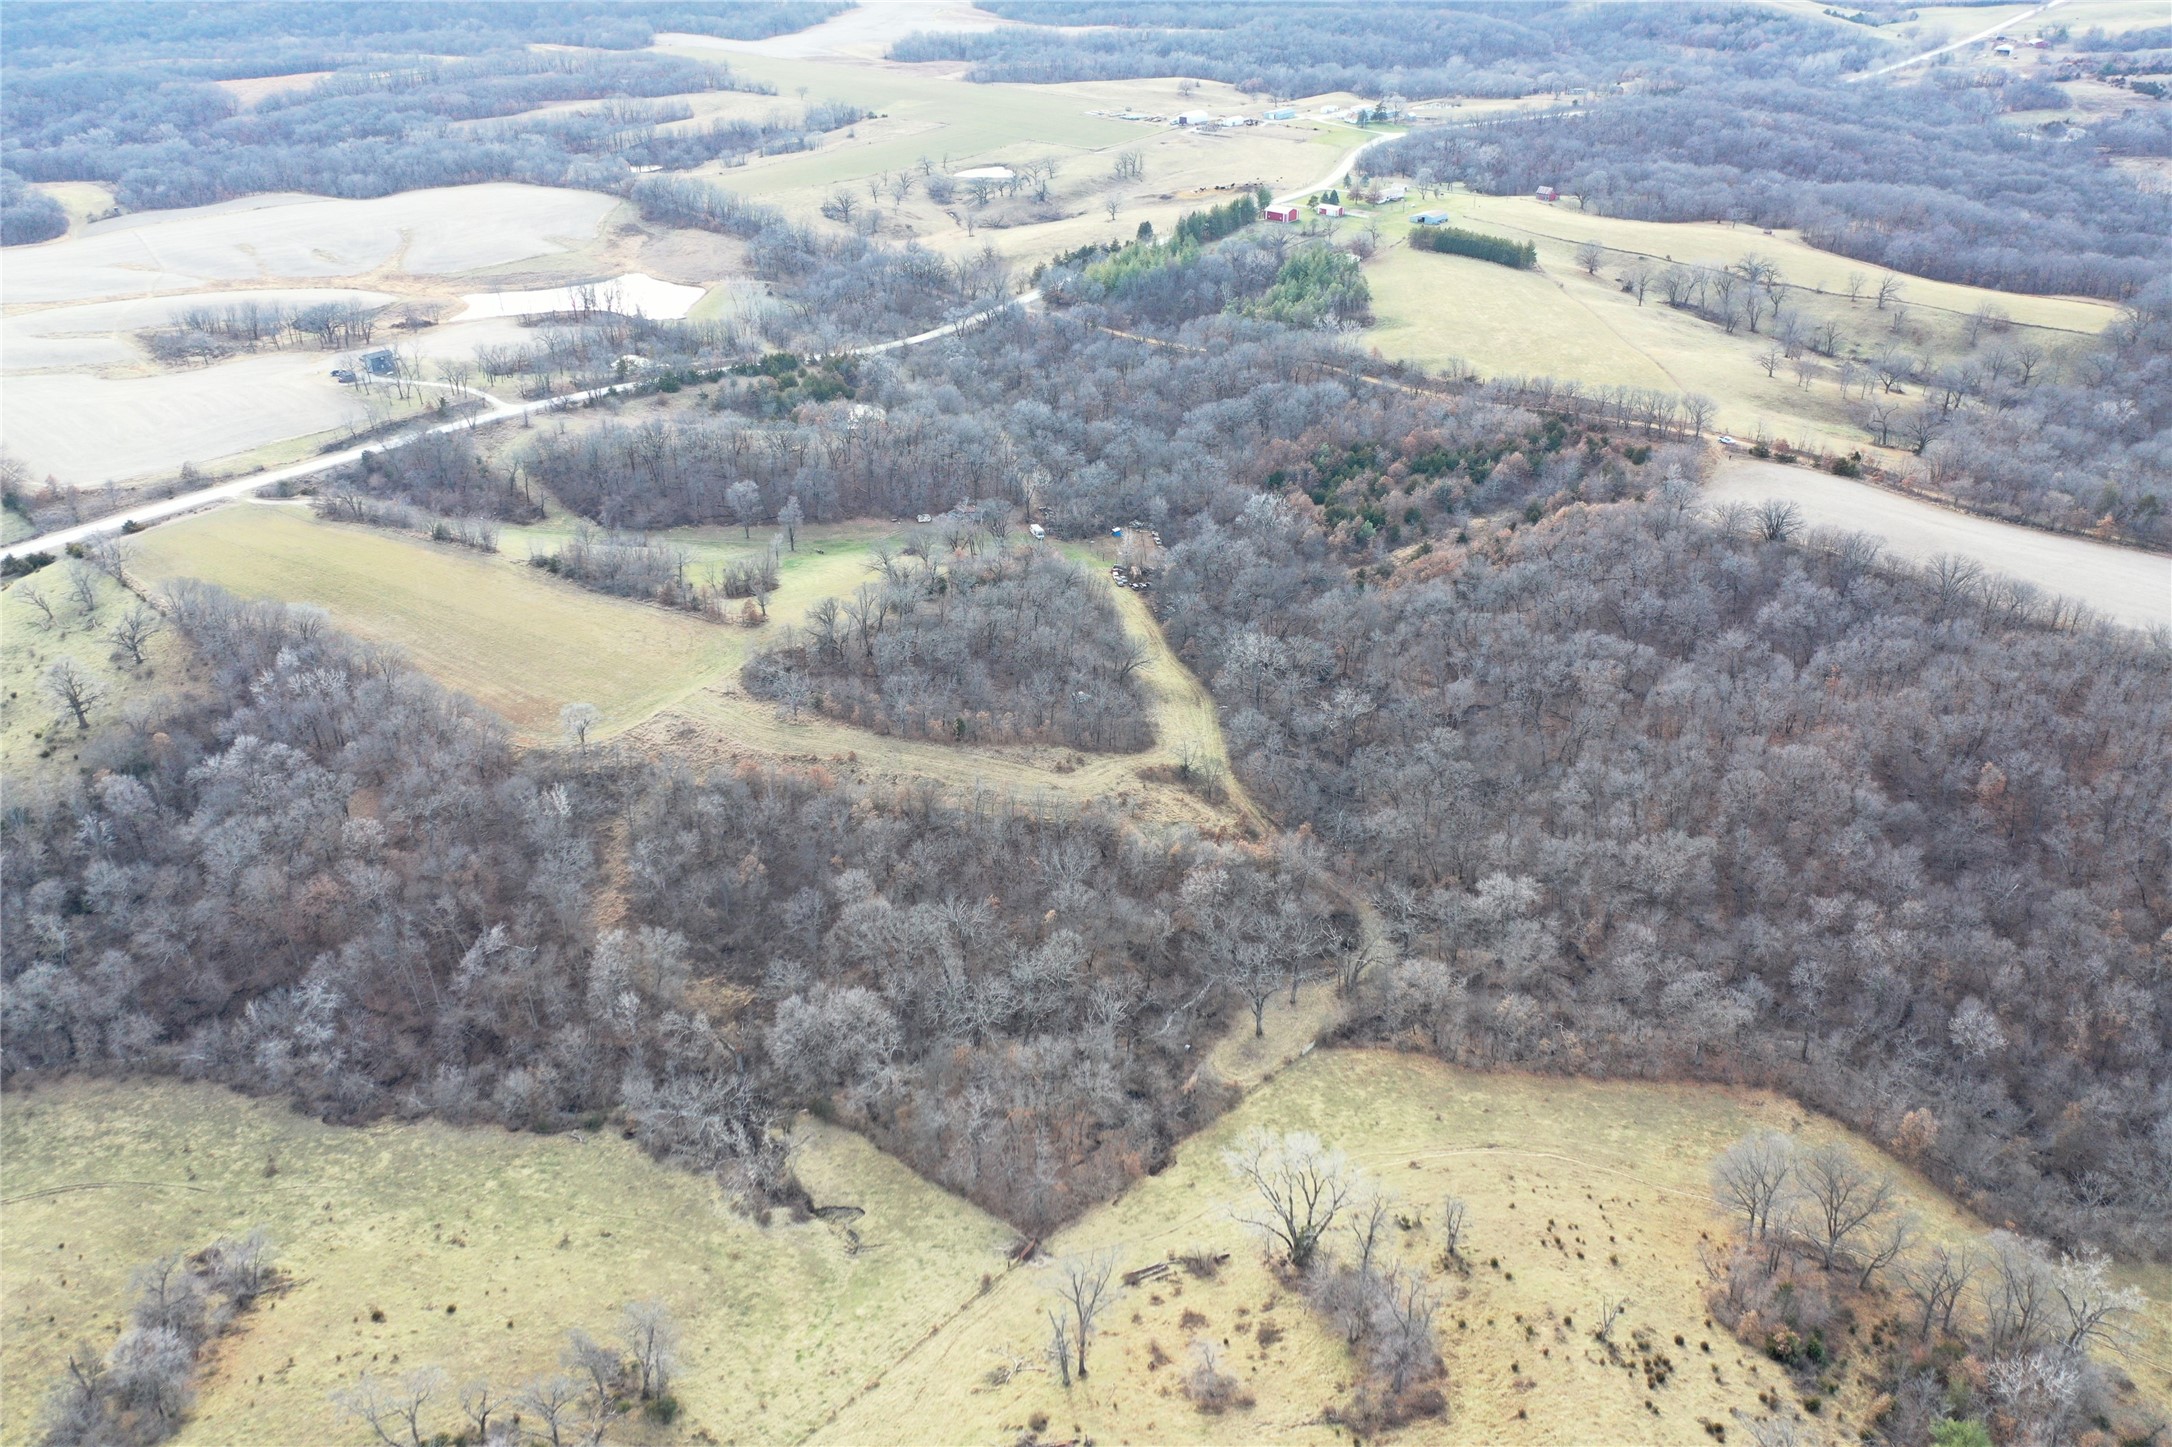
pixel 329 879
pixel 142 113
pixel 1304 49
pixel 1640 792
pixel 1561 771
pixel 1849 166
pixel 1008 646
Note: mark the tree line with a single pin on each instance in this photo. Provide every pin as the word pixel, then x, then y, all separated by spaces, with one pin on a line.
pixel 1455 241
pixel 1286 49
pixel 163 139
pixel 1910 177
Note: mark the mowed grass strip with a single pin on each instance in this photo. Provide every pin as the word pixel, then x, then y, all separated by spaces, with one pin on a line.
pixel 480 1247
pixel 723 720
pixel 521 643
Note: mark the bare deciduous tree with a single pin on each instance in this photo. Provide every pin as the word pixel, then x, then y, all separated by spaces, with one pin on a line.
pixel 1453 1214
pixel 1842 1199
pixel 83 588
pixel 133 633
pixel 651 1338
pixel 480 1402
pixel 556 1403
pixel 745 498
pixel 599 1363
pixel 2093 1309
pixel 1751 1179
pixel 1937 1279
pixel 1084 1291
pixel 39 603
pixel 575 721
pixel 1301 1187
pixel 70 688
pixel 393 1413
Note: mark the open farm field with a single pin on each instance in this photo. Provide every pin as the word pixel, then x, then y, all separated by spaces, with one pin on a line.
pixel 867 31
pixel 253 90
pixel 97 334
pixel 515 640
pixel 1802 266
pixel 1558 320
pixel 787 1335
pixel 927 112
pixel 278 237
pixel 2112 15
pixel 634 294
pixel 2125 585
pixel 88 429
pixel 481 1248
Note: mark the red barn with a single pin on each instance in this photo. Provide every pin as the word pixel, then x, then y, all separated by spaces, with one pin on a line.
pixel 1548 193
pixel 1281 213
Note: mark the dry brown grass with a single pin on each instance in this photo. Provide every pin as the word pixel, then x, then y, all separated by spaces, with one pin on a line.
pixel 1577 1190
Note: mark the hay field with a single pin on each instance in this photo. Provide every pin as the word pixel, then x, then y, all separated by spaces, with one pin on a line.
pixel 481 1248
pixel 515 640
pixel 441 231
pixel 1432 309
pixel 525 644
pixel 80 199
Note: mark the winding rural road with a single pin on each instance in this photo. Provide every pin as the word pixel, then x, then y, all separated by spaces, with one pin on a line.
pixel 2125 585
pixel 2004 27
pixel 156 510
pixel 1342 168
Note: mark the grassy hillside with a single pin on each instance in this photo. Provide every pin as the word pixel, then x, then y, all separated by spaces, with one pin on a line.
pixel 1616 1172
pixel 788 1335
pixel 38 739
pixel 526 644
pixel 1562 322
pixel 479 1247
pixel 928 112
